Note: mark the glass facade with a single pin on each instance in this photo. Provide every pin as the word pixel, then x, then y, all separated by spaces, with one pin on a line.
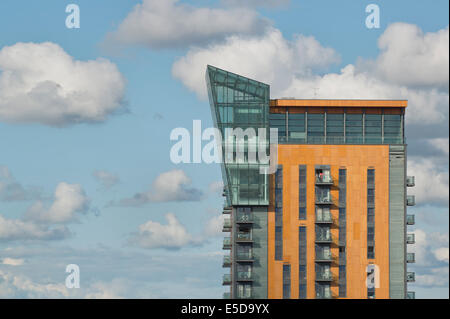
pixel 338 128
pixel 239 102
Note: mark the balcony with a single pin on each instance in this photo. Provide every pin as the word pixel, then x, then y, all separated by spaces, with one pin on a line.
pixel 410 276
pixel 410 238
pixel 226 243
pixel 244 276
pixel 324 257
pixel 410 181
pixel 324 200
pixel 410 257
pixel 324 276
pixel 411 295
pixel 325 295
pixel 324 217
pixel 244 257
pixel 324 238
pixel 227 225
pixel 244 295
pixel 226 295
pixel 410 219
pixel 410 200
pixel 245 237
pixel 226 280
pixel 244 218
pixel 323 179
pixel 226 261
pixel 227 210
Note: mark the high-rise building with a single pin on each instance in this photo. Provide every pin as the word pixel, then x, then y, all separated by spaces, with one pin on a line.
pixel 331 221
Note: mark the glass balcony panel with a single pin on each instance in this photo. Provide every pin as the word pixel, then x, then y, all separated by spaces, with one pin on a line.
pixel 244 236
pixel 410 238
pixel 226 261
pixel 226 280
pixel 323 216
pixel 244 218
pixel 227 243
pixel 324 276
pixel 244 275
pixel 324 237
pixel 410 295
pixel 410 258
pixel 244 256
pixel 226 295
pixel 410 200
pixel 410 276
pixel 323 176
pixel 410 219
pixel 410 181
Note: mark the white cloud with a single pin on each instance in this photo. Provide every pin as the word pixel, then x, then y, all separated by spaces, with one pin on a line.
pixel 410 57
pixel 441 254
pixel 41 83
pixel 169 24
pixel 214 225
pixel 437 277
pixel 440 144
pixel 171 186
pixel 172 235
pixel 432 181
pixel 269 58
pixel 106 179
pixel 70 199
pixel 16 229
pixel 12 261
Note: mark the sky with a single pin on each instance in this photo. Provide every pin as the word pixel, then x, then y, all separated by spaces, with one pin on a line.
pixel 86 116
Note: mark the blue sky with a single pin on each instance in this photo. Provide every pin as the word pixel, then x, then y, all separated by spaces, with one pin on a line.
pixel 67 171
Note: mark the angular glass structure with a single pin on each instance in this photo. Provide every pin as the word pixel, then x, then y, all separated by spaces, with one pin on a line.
pixel 241 103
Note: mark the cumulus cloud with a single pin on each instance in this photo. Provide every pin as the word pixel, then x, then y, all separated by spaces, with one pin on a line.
pixel 216 187
pixel 432 181
pixel 105 178
pixel 170 24
pixel 69 199
pixel 12 261
pixel 16 229
pixel 256 3
pixel 412 58
pixel 172 235
pixel 441 254
pixel 269 58
pixel 171 186
pixel 437 277
pixel 213 226
pixel 41 83
pixel 11 190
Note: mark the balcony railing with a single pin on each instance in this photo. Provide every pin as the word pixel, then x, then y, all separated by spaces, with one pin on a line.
pixel 244 295
pixel 410 276
pixel 324 200
pixel 243 237
pixel 248 256
pixel 324 295
pixel 226 280
pixel 324 238
pixel 227 210
pixel 410 181
pixel 410 220
pixel 324 218
pixel 324 276
pixel 324 180
pixel 244 276
pixel 227 225
pixel 244 218
pixel 410 200
pixel 226 295
pixel 324 257
pixel 226 261
pixel 410 238
pixel 410 258
pixel 410 295
pixel 227 243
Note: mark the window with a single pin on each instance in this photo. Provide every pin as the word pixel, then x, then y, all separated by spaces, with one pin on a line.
pixel 286 281
pixel 373 129
pixel 279 213
pixel 296 127
pixel 335 128
pixel 278 121
pixel 302 261
pixel 302 192
pixel 316 128
pixel 354 128
pixel 370 213
pixel 393 129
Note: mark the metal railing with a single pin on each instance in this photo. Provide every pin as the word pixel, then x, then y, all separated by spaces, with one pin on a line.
pixel 324 217
pixel 248 256
pixel 324 276
pixel 324 200
pixel 411 295
pixel 410 276
pixel 244 276
pixel 244 218
pixel 325 257
pixel 410 200
pixel 243 236
pixel 325 238
pixel 226 243
pixel 410 181
pixel 226 261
